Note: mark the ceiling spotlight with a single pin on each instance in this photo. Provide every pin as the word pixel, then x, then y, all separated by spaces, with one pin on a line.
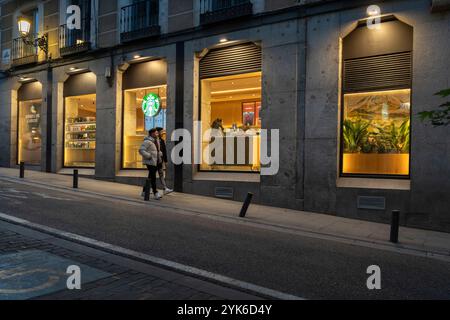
pixel 137 56
pixel 223 40
pixel 72 68
pixel 373 10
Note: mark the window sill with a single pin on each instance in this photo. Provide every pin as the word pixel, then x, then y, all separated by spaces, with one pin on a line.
pixel 227 176
pixel 81 171
pixel 367 183
pixel 133 173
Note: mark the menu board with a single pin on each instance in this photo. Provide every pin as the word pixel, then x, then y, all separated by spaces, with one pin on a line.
pixel 156 121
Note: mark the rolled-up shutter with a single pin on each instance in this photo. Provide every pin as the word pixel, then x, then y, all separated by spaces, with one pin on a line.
pixel 242 58
pixel 378 59
pixel 393 71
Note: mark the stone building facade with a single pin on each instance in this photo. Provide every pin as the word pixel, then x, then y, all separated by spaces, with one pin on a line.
pixel 302 93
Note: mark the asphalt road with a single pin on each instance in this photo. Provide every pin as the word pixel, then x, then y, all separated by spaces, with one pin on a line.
pixel 306 267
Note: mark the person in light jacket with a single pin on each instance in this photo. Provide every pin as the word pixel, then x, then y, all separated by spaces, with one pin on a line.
pixel 151 157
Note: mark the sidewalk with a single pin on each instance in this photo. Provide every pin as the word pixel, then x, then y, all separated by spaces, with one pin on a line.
pixel 312 224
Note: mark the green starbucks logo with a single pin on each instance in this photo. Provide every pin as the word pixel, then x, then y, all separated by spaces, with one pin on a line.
pixel 151 105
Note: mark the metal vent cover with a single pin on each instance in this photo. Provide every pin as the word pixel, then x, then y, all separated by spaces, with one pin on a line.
pixel 372 203
pixel 224 192
pixel 242 58
pixel 393 71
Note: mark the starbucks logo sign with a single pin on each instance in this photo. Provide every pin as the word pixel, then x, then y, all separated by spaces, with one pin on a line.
pixel 151 105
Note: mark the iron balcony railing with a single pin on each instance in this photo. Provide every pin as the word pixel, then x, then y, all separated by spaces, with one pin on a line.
pixel 75 40
pixel 139 20
pixel 220 10
pixel 24 52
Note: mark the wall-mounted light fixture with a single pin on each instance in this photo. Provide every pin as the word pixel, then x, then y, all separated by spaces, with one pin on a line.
pixel 75 70
pixel 24 25
pixel 23 79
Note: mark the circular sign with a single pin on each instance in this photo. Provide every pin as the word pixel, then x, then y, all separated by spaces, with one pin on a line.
pixel 151 105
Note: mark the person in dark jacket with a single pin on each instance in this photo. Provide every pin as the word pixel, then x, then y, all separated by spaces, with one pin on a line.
pixel 162 167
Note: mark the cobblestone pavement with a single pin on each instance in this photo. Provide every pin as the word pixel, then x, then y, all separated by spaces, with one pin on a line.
pixel 33 265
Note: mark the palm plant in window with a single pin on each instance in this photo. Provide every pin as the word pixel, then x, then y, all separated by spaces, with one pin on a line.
pixel 355 134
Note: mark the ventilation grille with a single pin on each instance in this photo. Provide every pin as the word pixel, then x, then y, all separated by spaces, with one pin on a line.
pixel 242 58
pixel 224 192
pixel 372 203
pixel 392 71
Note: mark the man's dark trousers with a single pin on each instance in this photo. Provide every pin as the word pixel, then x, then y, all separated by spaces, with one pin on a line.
pixel 152 176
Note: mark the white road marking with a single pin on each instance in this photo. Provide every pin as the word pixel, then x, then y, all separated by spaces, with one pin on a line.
pixel 151 259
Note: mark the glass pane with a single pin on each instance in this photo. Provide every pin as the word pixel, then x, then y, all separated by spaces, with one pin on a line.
pixel 232 106
pixel 30 132
pixel 80 131
pixel 376 133
pixel 136 125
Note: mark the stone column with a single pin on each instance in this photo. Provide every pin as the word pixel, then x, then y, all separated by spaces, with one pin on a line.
pixel 108 124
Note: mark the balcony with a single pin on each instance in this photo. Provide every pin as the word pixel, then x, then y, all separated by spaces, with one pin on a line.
pixel 212 11
pixel 73 41
pixel 139 20
pixel 24 53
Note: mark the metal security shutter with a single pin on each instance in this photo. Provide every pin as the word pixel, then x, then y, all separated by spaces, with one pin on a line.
pixel 243 58
pixel 393 71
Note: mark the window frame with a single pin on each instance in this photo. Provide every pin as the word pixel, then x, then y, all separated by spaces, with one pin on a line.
pixel 122 144
pixel 198 166
pixel 18 133
pixel 341 138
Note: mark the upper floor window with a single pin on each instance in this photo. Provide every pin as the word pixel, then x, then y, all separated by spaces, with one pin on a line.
pixel 220 10
pixel 74 40
pixel 376 100
pixel 139 19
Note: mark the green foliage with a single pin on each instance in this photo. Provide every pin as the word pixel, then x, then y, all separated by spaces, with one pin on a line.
pixel 355 133
pixel 439 117
pixel 389 139
pixel 396 139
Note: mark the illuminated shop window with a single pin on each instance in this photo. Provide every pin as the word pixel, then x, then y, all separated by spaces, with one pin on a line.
pixel 29 135
pixel 376 133
pixel 137 124
pixel 80 131
pixel 232 104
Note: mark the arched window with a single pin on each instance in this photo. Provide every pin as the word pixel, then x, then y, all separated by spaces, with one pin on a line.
pixel 376 100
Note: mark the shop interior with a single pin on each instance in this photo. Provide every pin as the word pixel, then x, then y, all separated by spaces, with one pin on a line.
pixel 376 133
pixel 29 132
pixel 136 125
pixel 232 104
pixel 80 131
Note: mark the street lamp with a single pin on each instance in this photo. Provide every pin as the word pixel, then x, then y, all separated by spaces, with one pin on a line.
pixel 24 25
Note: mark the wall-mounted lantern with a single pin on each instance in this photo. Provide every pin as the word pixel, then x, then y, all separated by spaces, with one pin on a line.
pixel 24 25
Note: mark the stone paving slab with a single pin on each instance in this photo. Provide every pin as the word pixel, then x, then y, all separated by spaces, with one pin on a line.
pixel 418 239
pixel 33 265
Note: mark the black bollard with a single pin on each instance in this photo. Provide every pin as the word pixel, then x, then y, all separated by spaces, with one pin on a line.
pixel 395 223
pixel 22 169
pixel 246 204
pixel 75 179
pixel 147 190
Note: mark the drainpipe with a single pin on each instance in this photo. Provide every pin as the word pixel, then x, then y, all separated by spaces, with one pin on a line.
pixel 179 109
pixel 48 144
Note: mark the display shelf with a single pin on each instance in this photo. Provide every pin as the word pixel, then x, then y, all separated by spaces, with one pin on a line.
pixel 80 123
pixel 80 140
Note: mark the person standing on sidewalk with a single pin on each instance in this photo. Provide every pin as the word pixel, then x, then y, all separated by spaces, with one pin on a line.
pixel 163 165
pixel 151 157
